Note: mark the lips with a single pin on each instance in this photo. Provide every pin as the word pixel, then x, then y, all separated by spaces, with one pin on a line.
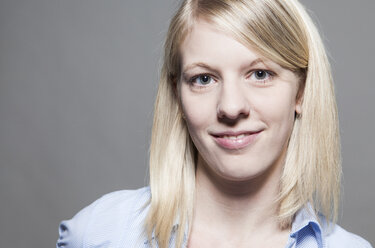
pixel 235 140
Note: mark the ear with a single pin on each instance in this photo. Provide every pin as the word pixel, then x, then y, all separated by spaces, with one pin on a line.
pixel 175 87
pixel 176 92
pixel 299 106
pixel 299 97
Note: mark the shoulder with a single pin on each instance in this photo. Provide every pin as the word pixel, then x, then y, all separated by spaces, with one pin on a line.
pixel 110 220
pixel 340 238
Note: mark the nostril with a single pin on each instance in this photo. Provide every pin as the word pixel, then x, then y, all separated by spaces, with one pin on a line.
pixel 233 102
pixel 231 120
pixel 233 112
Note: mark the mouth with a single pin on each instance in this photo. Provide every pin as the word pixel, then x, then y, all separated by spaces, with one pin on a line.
pixel 234 137
pixel 235 140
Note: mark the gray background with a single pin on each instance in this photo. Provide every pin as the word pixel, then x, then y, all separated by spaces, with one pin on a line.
pixel 77 85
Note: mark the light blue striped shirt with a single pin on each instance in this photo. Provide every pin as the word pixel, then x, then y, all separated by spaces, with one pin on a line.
pixel 116 220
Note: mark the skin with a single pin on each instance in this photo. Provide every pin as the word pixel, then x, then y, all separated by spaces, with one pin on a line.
pixel 227 88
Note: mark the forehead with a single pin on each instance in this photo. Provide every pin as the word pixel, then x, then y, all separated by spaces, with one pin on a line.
pixel 206 43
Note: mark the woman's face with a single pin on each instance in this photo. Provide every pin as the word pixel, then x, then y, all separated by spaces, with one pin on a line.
pixel 239 107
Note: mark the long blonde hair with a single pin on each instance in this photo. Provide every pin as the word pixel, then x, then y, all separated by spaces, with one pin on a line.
pixel 282 31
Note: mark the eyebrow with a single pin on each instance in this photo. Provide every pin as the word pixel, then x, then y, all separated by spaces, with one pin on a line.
pixel 257 61
pixel 199 64
pixel 203 65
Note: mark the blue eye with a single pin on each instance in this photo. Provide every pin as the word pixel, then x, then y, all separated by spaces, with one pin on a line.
pixel 202 80
pixel 261 75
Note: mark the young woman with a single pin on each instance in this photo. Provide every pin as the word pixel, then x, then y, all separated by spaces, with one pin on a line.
pixel 245 146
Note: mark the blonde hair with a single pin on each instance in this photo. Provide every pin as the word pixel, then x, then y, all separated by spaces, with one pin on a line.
pixel 282 31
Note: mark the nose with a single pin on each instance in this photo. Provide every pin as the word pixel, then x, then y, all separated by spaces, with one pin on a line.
pixel 233 103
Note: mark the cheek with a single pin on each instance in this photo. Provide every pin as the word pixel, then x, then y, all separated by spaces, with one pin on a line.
pixel 199 111
pixel 276 109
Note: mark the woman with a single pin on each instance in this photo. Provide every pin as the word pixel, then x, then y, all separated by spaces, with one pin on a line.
pixel 245 147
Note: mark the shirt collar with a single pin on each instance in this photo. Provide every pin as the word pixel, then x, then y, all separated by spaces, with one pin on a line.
pixel 304 218
pixel 173 235
pixel 307 218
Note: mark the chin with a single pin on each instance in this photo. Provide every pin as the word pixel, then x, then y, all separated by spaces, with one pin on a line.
pixel 241 171
pixel 245 168
pixel 243 176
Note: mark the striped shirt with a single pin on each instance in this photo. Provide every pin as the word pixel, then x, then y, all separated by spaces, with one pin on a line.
pixel 116 220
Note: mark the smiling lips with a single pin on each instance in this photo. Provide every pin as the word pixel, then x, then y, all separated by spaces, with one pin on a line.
pixel 235 140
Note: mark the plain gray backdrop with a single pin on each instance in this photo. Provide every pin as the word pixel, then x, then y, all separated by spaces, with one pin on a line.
pixel 77 84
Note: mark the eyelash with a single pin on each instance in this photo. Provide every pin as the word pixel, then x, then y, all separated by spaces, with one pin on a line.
pixel 269 76
pixel 194 78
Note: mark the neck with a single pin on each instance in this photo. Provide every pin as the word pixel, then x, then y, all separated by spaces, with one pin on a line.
pixel 237 205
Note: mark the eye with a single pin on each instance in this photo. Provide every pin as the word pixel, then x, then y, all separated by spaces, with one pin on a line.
pixel 202 80
pixel 261 75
